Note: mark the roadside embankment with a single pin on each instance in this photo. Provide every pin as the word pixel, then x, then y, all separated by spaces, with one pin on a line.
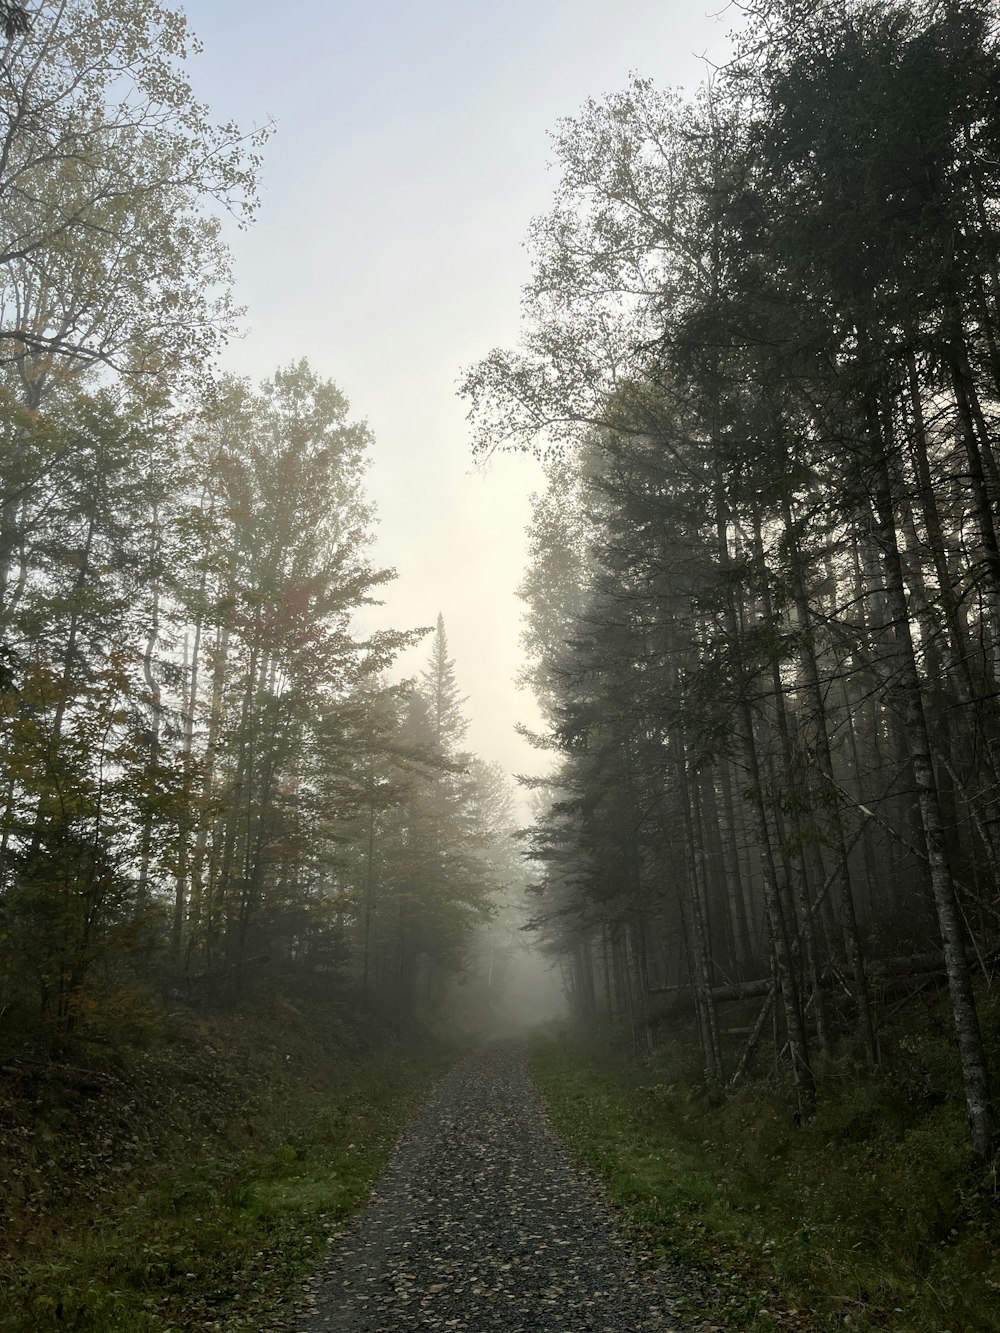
pixel 190 1184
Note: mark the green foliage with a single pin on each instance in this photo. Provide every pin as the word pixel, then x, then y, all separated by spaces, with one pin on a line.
pixel 188 717
pixel 871 1209
pixel 110 245
pixel 207 782
pixel 223 1237
pixel 765 317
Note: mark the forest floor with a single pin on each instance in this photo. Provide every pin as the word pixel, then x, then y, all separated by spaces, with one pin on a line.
pixel 191 1182
pixel 207 1182
pixel 196 1182
pixel 868 1216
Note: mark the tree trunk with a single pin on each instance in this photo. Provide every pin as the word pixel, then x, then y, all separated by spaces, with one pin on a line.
pixel 907 689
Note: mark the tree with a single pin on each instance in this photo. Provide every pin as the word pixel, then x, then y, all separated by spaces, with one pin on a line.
pixel 14 18
pixel 74 736
pixel 765 320
pixel 111 180
pixel 287 568
pixel 441 692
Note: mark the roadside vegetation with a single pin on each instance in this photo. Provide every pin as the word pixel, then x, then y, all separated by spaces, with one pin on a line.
pixel 870 1215
pixel 193 1184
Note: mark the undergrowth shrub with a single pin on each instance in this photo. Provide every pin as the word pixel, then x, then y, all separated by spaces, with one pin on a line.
pixel 872 1207
pixel 259 1164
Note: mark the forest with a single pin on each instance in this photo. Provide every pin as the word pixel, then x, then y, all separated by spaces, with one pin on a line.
pixel 210 784
pixel 760 366
pixel 761 359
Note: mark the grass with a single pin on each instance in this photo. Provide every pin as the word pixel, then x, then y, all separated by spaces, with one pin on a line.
pixel 869 1216
pixel 221 1241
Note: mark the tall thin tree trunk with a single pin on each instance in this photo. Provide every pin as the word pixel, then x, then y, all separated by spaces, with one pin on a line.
pixel 702 972
pixel 824 760
pixel 798 1046
pixel 907 687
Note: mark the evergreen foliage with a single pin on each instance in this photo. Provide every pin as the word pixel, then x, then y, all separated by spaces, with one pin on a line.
pixel 760 355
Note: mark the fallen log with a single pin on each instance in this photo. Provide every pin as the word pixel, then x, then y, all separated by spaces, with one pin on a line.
pixel 878 969
pixel 737 990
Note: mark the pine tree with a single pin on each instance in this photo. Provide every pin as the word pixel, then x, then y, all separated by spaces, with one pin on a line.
pixel 440 690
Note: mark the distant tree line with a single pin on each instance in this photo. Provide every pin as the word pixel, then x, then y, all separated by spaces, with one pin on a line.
pixel 208 787
pixel 762 359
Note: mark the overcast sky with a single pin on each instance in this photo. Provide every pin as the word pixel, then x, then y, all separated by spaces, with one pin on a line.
pixel 410 152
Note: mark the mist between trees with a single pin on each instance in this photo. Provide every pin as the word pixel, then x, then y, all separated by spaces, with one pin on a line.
pixel 760 356
pixel 211 790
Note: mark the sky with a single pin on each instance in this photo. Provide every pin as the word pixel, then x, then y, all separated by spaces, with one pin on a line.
pixel 410 152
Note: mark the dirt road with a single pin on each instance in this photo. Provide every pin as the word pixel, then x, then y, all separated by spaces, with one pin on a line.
pixel 481 1224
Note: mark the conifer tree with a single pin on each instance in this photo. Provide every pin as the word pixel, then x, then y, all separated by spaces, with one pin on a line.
pixel 765 320
pixel 440 690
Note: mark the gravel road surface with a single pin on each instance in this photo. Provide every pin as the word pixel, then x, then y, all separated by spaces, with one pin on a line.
pixel 481 1223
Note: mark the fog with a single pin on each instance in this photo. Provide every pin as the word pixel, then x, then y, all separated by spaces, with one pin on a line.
pixel 411 151
pixel 509 988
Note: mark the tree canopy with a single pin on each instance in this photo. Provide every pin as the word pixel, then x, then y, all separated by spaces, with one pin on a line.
pixel 759 352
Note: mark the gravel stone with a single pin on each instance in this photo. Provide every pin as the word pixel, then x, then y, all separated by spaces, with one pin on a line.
pixel 481 1223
